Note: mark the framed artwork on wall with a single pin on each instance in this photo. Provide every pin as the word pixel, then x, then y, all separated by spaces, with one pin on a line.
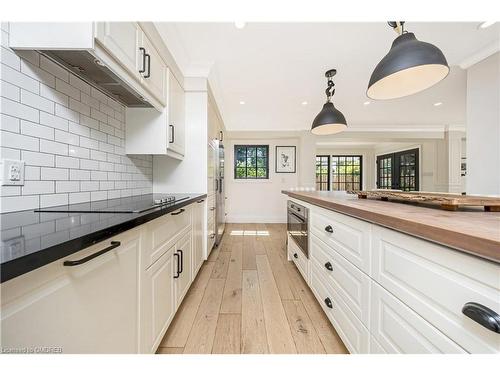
pixel 285 159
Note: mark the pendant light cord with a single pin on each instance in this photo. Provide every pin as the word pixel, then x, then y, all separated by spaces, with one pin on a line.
pixel 330 90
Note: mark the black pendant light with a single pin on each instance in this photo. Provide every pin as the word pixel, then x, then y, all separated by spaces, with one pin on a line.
pixel 330 120
pixel 410 66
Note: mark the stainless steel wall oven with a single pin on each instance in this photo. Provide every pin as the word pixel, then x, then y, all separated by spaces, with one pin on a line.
pixel 297 225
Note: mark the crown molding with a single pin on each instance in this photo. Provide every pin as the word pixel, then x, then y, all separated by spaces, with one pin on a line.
pixel 480 55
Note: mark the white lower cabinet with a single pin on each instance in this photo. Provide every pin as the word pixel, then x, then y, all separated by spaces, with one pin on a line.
pixel 398 329
pixel 198 234
pixel 183 268
pixel 86 308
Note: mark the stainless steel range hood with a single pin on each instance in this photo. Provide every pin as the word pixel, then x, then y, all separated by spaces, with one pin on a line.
pixel 85 65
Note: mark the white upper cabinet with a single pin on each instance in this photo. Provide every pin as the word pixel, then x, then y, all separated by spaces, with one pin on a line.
pixel 176 114
pixel 153 70
pixel 122 40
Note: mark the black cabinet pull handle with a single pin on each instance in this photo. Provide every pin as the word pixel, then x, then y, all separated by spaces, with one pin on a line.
pixel 221 135
pixel 482 315
pixel 178 265
pixel 329 229
pixel 212 208
pixel 201 201
pixel 71 263
pixel 178 212
pixel 328 302
pixel 216 184
pixel 172 134
pixel 296 256
pixel 182 260
pixel 148 57
pixel 328 266
pixel 143 50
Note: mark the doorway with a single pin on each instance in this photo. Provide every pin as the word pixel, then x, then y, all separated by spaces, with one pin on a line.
pixel 398 170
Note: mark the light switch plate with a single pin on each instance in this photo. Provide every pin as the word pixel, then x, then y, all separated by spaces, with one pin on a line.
pixel 12 172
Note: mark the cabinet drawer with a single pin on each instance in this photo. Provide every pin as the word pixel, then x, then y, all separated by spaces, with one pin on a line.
pixel 298 257
pixel 164 232
pixel 436 282
pixel 398 329
pixel 348 236
pixel 349 282
pixel 353 333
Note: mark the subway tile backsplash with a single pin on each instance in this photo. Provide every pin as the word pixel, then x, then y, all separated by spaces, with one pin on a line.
pixel 70 135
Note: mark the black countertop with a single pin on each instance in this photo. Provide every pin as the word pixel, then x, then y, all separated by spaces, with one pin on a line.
pixel 33 239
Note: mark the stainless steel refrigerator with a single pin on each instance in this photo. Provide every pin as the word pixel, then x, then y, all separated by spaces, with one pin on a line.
pixel 220 193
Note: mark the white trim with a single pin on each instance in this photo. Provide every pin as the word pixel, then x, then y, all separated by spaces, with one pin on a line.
pixel 480 55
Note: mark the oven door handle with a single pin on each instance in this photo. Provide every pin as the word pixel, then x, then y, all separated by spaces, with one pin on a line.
pixel 298 217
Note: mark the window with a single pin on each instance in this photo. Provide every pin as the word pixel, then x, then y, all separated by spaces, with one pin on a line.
pixel 346 172
pixel 322 172
pixel 398 170
pixel 251 161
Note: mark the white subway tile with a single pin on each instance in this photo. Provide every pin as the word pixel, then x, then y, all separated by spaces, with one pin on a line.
pixel 108 129
pixel 54 173
pixel 112 194
pixel 39 74
pixel 119 150
pixel 10 153
pixel 65 137
pixel 114 140
pixel 67 186
pixel 10 91
pixel 79 197
pixel 113 158
pixel 119 133
pixel 89 143
pixel 53 147
pixel 98 175
pixel 37 159
pixel 75 105
pixel 105 166
pixel 90 101
pixel 10 58
pixel 90 122
pixel 19 79
pixel 107 110
pixel 114 123
pixel 120 117
pixel 98 155
pixel 54 121
pixel 89 164
pixel 98 195
pixel 98 95
pixel 96 134
pixel 67 162
pixel 116 106
pixel 119 184
pixel 67 89
pixel 79 174
pixel 79 84
pixel 106 185
pixel 19 203
pixel 53 68
pixel 106 147
pixel 22 142
pixel 10 123
pixel 31 56
pixel 31 173
pixel 79 129
pixel 54 95
pixel 37 130
pixel 37 101
pixel 79 152
pixel 38 187
pixel 98 115
pixel 8 191
pixel 89 185
pixel 67 113
pixel 52 200
pixel 16 109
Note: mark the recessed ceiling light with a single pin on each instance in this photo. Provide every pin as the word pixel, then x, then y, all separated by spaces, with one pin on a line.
pixel 485 24
pixel 242 102
pixel 239 24
pixel 367 102
pixel 437 104
pixel 304 103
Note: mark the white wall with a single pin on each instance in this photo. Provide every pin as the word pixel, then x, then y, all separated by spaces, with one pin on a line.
pixel 483 127
pixel 259 201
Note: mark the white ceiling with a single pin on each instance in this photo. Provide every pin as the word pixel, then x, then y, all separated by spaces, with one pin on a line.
pixel 274 67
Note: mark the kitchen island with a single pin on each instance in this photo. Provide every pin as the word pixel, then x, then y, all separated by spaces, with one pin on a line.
pixel 384 272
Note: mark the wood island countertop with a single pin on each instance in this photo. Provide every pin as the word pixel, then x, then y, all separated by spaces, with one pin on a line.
pixel 472 230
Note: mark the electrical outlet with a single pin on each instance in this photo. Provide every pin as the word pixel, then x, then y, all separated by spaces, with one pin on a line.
pixel 12 172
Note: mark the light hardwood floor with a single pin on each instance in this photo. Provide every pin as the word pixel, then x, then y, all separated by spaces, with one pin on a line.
pixel 247 298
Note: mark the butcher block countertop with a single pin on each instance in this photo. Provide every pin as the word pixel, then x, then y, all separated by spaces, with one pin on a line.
pixel 469 230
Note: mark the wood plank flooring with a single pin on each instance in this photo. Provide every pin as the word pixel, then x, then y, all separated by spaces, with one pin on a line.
pixel 247 298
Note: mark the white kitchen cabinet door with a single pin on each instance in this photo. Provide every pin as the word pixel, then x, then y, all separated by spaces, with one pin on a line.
pixel 87 308
pixel 398 329
pixel 155 73
pixel 183 268
pixel 176 116
pixel 122 40
pixel 158 301
pixel 198 237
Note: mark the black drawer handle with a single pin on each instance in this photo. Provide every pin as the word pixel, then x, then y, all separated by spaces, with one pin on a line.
pixel 182 260
pixel 328 302
pixel 178 212
pixel 328 266
pixel 143 50
pixel 148 74
pixel 178 265
pixel 329 229
pixel 201 201
pixel 482 315
pixel 296 256
pixel 71 263
pixel 172 134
